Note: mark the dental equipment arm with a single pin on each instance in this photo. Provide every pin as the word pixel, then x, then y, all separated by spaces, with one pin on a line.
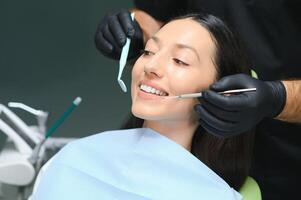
pixel 16 129
pixel 40 115
pixel 26 148
pixel 15 168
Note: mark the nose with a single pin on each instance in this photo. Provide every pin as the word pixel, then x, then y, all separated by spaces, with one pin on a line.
pixel 154 67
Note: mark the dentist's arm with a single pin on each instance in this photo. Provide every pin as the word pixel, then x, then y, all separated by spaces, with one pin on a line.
pixel 292 108
pixel 148 24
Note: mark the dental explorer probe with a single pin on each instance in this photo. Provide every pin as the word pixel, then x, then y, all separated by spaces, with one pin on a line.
pixel 193 95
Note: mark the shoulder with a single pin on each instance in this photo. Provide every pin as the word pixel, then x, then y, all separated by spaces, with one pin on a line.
pixel 106 139
pixel 93 146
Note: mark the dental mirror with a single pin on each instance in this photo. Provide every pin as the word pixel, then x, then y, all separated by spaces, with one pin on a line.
pixel 122 61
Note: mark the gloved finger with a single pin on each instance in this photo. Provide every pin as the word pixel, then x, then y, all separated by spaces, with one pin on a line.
pixel 235 102
pixel 230 82
pixel 127 23
pixel 214 121
pixel 231 116
pixel 102 44
pixel 117 31
pixel 210 129
pixel 109 37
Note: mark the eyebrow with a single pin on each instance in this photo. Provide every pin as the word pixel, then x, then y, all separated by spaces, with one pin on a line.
pixel 180 46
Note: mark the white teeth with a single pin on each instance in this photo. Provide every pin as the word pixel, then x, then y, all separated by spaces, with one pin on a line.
pixel 149 89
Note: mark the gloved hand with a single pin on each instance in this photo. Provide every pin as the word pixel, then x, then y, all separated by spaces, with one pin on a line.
pixel 229 115
pixel 112 32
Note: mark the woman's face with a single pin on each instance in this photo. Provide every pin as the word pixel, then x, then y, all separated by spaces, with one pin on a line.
pixel 178 59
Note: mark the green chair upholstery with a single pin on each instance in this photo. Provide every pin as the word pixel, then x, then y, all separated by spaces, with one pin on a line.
pixel 250 190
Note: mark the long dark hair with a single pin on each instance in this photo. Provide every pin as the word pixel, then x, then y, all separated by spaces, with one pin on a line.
pixel 230 158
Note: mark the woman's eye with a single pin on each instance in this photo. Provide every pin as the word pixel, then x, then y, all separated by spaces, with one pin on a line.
pixel 147 53
pixel 180 62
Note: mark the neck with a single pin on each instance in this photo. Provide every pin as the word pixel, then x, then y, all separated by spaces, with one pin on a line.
pixel 179 131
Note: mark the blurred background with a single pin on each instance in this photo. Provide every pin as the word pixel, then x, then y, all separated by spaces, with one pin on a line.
pixel 48 58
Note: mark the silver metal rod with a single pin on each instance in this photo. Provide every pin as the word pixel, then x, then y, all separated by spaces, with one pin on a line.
pixel 194 95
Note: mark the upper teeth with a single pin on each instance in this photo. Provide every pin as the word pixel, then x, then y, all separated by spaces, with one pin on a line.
pixel 150 89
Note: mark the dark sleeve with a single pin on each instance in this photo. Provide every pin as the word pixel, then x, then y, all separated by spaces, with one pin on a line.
pixel 162 10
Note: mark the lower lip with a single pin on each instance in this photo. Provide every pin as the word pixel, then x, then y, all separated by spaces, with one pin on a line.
pixel 149 96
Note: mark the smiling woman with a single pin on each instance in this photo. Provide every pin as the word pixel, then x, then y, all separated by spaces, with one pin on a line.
pixel 164 153
pixel 186 56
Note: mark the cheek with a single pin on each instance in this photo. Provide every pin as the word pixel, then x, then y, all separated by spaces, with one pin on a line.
pixel 183 108
pixel 137 72
pixel 191 80
pixel 137 69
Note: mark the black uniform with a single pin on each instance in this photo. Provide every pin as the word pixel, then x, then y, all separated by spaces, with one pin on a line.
pixel 271 31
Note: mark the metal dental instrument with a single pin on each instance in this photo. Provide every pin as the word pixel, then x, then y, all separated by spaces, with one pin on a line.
pixel 193 95
pixel 122 61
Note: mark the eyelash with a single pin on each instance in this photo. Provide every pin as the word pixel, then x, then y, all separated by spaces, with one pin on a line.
pixel 177 61
pixel 147 53
pixel 180 62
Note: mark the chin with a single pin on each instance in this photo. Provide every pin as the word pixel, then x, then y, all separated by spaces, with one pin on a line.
pixel 146 115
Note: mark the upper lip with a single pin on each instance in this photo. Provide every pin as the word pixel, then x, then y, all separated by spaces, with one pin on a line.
pixel 153 85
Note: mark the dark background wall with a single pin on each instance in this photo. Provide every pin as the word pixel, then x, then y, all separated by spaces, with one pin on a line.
pixel 48 57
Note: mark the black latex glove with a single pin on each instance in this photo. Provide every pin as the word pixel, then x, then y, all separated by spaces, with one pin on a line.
pixel 226 116
pixel 112 32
